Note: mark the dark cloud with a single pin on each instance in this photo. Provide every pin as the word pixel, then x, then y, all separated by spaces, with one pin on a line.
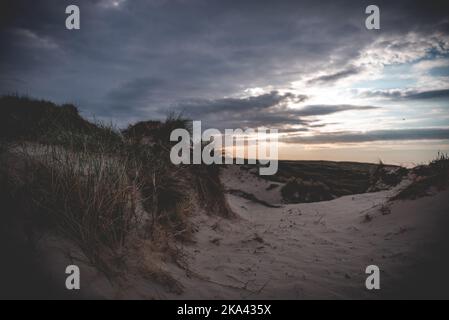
pixel 141 57
pixel 433 94
pixel 136 90
pixel 248 104
pixel 333 77
pixel 322 125
pixel 263 110
pixel 390 94
pixel 293 131
pixel 407 94
pixel 375 135
pixel 268 109
pixel 320 110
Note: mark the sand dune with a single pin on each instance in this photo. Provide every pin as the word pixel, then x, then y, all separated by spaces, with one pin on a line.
pixel 313 250
pixel 277 250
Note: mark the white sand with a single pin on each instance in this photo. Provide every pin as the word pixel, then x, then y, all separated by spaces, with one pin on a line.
pixel 315 250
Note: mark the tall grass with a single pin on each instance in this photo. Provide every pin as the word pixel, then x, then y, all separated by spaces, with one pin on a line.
pixel 210 190
pixel 100 186
pixel 102 138
pixel 160 187
pixel 89 186
pixel 89 198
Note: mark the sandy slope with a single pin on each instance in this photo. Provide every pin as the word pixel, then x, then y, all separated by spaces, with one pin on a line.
pixel 296 251
pixel 315 250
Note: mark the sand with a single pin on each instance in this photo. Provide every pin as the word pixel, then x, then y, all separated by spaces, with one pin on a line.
pixel 295 251
pixel 306 251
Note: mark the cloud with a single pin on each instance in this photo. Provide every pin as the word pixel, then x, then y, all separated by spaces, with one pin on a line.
pixel 333 77
pixel 111 4
pixel 253 103
pixel 406 94
pixel 30 39
pixel 320 110
pixel 136 89
pixel 433 94
pixel 410 47
pixel 293 131
pixel 375 135
pixel 270 110
pixel 322 125
pixel 142 57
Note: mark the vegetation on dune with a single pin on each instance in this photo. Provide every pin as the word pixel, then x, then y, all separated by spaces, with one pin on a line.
pixel 428 178
pixel 109 190
pixel 156 132
pixel 26 118
pixel 297 190
pixel 383 176
pixel 210 190
pixel 89 199
pixel 99 186
pixel 311 181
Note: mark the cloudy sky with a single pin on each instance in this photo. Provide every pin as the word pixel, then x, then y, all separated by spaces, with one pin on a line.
pixel 311 69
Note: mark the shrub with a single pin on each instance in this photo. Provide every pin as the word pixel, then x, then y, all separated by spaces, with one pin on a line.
pixel 384 177
pixel 156 133
pixel 297 190
pixel 433 176
pixel 25 118
pixel 210 190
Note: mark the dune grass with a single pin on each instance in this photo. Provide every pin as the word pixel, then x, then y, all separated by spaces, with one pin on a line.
pixel 428 177
pixel 89 199
pixel 99 186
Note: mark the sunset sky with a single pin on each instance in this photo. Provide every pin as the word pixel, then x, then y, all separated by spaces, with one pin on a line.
pixel 335 90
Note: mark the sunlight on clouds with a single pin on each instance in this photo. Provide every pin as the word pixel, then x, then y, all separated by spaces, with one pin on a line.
pixel 390 68
pixel 112 3
pixel 256 91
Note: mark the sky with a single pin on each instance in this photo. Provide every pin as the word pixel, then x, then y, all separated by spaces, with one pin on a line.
pixel 334 89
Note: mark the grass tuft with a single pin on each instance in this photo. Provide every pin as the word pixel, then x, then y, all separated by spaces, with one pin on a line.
pixel 433 176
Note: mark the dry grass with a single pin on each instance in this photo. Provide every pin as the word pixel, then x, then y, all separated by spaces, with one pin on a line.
pixel 89 199
pixel 103 189
pixel 384 177
pixel 210 190
pixel 433 176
